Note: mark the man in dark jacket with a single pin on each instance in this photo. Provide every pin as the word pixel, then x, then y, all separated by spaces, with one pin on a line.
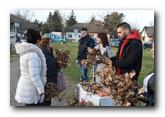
pixel 84 42
pixel 129 54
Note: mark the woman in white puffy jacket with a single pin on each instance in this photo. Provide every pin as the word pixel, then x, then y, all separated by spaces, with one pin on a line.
pixel 30 87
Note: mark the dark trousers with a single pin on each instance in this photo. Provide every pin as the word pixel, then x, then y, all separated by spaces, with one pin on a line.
pixel 38 104
pixel 45 103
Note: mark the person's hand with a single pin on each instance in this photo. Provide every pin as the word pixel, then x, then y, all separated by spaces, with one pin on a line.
pixel 84 63
pixel 77 62
pixel 42 96
pixel 107 61
pixel 89 50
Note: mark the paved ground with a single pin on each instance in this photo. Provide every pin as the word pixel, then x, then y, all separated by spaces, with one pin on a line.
pixel 14 77
pixel 64 96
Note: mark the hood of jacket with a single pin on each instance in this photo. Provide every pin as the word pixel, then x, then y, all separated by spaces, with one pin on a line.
pixel 24 48
pixel 134 35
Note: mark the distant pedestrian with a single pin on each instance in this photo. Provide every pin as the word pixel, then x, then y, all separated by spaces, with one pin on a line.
pixel 17 38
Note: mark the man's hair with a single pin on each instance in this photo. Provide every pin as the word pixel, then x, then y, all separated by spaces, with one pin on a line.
pixel 38 35
pixel 84 29
pixel 124 25
pixel 32 36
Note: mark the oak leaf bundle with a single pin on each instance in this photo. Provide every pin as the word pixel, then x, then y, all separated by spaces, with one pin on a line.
pixel 95 88
pixel 123 90
pixel 93 57
pixel 62 57
pixel 51 91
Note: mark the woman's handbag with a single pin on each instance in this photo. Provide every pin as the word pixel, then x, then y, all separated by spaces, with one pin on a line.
pixel 61 84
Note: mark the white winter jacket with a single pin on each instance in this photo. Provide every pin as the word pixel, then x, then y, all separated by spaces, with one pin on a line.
pixel 33 73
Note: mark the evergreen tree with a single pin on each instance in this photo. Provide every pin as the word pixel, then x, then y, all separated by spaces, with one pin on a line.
pixel 71 19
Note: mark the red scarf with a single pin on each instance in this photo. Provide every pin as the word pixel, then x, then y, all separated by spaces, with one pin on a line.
pixel 133 36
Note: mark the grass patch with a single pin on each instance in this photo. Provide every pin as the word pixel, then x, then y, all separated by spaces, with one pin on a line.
pixel 72 71
pixel 147 65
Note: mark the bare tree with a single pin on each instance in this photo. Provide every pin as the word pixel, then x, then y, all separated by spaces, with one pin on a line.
pixel 134 26
pixel 25 14
pixel 151 24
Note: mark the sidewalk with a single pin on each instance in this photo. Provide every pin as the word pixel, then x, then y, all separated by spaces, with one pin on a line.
pixel 14 77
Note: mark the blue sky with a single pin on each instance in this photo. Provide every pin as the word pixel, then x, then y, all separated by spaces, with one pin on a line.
pixel 137 18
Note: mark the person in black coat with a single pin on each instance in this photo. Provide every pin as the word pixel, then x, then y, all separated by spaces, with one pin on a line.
pixel 52 66
pixel 149 89
pixel 149 85
pixel 130 52
pixel 84 42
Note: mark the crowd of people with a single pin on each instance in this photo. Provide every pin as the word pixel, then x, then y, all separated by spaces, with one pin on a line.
pixel 38 64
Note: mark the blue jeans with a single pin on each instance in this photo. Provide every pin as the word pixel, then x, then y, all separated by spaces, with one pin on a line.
pixel 84 72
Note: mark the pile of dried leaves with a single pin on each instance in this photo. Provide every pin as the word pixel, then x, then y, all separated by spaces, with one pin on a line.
pixel 95 88
pixel 123 90
pixel 75 102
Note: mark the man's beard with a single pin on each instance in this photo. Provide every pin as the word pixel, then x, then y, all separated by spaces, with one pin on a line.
pixel 123 37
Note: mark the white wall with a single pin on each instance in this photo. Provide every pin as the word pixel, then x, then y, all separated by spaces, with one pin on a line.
pixel 74 37
pixel 146 38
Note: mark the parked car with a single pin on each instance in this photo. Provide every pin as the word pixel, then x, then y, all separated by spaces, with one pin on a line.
pixel 147 45
pixel 114 42
pixel 55 38
pixel 16 38
pixel 12 39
